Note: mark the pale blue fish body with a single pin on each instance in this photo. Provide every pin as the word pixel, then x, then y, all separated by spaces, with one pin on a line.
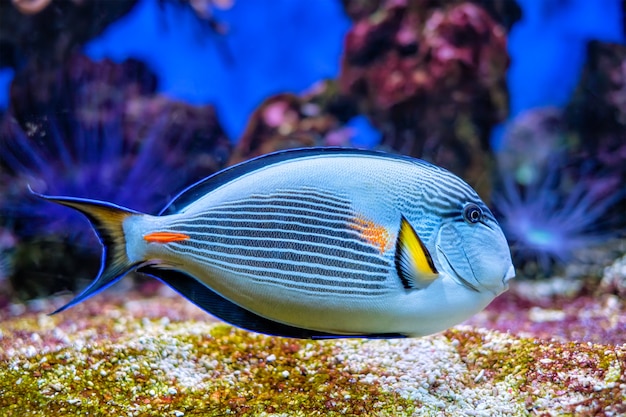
pixel 310 239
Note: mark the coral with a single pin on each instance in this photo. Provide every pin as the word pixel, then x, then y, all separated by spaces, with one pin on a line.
pixel 48 32
pixel 558 309
pixel 614 278
pixel 597 111
pixel 432 79
pixel 505 12
pixel 95 130
pixel 30 6
pixel 315 118
pixel 127 357
pixel 273 126
pixel 105 135
pixel 560 191
pixel 93 93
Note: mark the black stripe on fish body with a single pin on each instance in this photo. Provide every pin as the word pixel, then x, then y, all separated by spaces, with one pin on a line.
pixel 276 227
pixel 303 264
pixel 266 222
pixel 284 206
pixel 317 192
pixel 300 265
pixel 304 277
pixel 273 214
pixel 347 247
pixel 231 313
pixel 280 211
pixel 297 253
pixel 295 204
pixel 311 245
pixel 314 285
pixel 299 195
pixel 293 199
pixel 203 187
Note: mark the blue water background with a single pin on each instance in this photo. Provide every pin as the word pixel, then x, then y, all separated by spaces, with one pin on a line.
pixel 274 46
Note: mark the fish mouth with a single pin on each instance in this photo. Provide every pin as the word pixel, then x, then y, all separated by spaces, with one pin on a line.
pixel 509 275
pixel 456 276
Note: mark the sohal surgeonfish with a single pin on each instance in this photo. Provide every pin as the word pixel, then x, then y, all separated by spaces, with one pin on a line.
pixel 316 243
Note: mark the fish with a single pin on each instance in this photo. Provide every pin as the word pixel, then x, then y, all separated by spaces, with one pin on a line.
pixel 315 243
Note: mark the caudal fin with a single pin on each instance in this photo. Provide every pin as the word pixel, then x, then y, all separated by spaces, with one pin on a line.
pixel 107 220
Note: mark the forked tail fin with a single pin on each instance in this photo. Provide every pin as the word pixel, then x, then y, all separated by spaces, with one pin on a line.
pixel 107 220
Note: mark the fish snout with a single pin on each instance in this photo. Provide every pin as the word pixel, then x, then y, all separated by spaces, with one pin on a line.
pixel 477 256
pixel 510 274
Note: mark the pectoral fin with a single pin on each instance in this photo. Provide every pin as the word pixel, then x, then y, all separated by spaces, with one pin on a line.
pixel 414 264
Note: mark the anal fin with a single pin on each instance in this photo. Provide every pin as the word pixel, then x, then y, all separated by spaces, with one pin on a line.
pixel 231 313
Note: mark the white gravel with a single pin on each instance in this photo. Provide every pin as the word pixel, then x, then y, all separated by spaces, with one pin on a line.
pixel 430 371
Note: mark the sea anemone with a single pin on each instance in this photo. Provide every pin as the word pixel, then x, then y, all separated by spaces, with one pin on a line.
pixel 54 246
pixel 101 163
pixel 99 131
pixel 549 221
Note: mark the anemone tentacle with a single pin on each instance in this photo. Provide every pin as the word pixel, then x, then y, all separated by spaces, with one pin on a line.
pixel 548 222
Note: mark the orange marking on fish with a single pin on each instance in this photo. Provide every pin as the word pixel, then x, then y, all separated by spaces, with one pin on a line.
pixel 165 237
pixel 374 233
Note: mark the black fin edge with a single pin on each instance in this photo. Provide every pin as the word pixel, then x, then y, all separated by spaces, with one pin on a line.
pixel 106 220
pixel 202 187
pixel 229 312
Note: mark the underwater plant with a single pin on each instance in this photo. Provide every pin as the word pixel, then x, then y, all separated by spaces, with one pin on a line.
pixel 100 163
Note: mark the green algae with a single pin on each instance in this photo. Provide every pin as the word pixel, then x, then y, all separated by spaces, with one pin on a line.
pixel 249 375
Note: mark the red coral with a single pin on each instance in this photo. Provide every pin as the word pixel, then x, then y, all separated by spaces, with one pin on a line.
pixel 400 54
pixel 432 78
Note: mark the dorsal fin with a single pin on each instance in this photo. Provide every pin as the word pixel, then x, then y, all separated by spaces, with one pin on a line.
pixel 204 186
pixel 414 264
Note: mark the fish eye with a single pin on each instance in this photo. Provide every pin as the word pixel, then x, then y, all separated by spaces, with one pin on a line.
pixel 472 213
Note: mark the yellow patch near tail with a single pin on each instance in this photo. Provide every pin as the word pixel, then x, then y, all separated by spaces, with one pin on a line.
pixel 165 237
pixel 373 233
